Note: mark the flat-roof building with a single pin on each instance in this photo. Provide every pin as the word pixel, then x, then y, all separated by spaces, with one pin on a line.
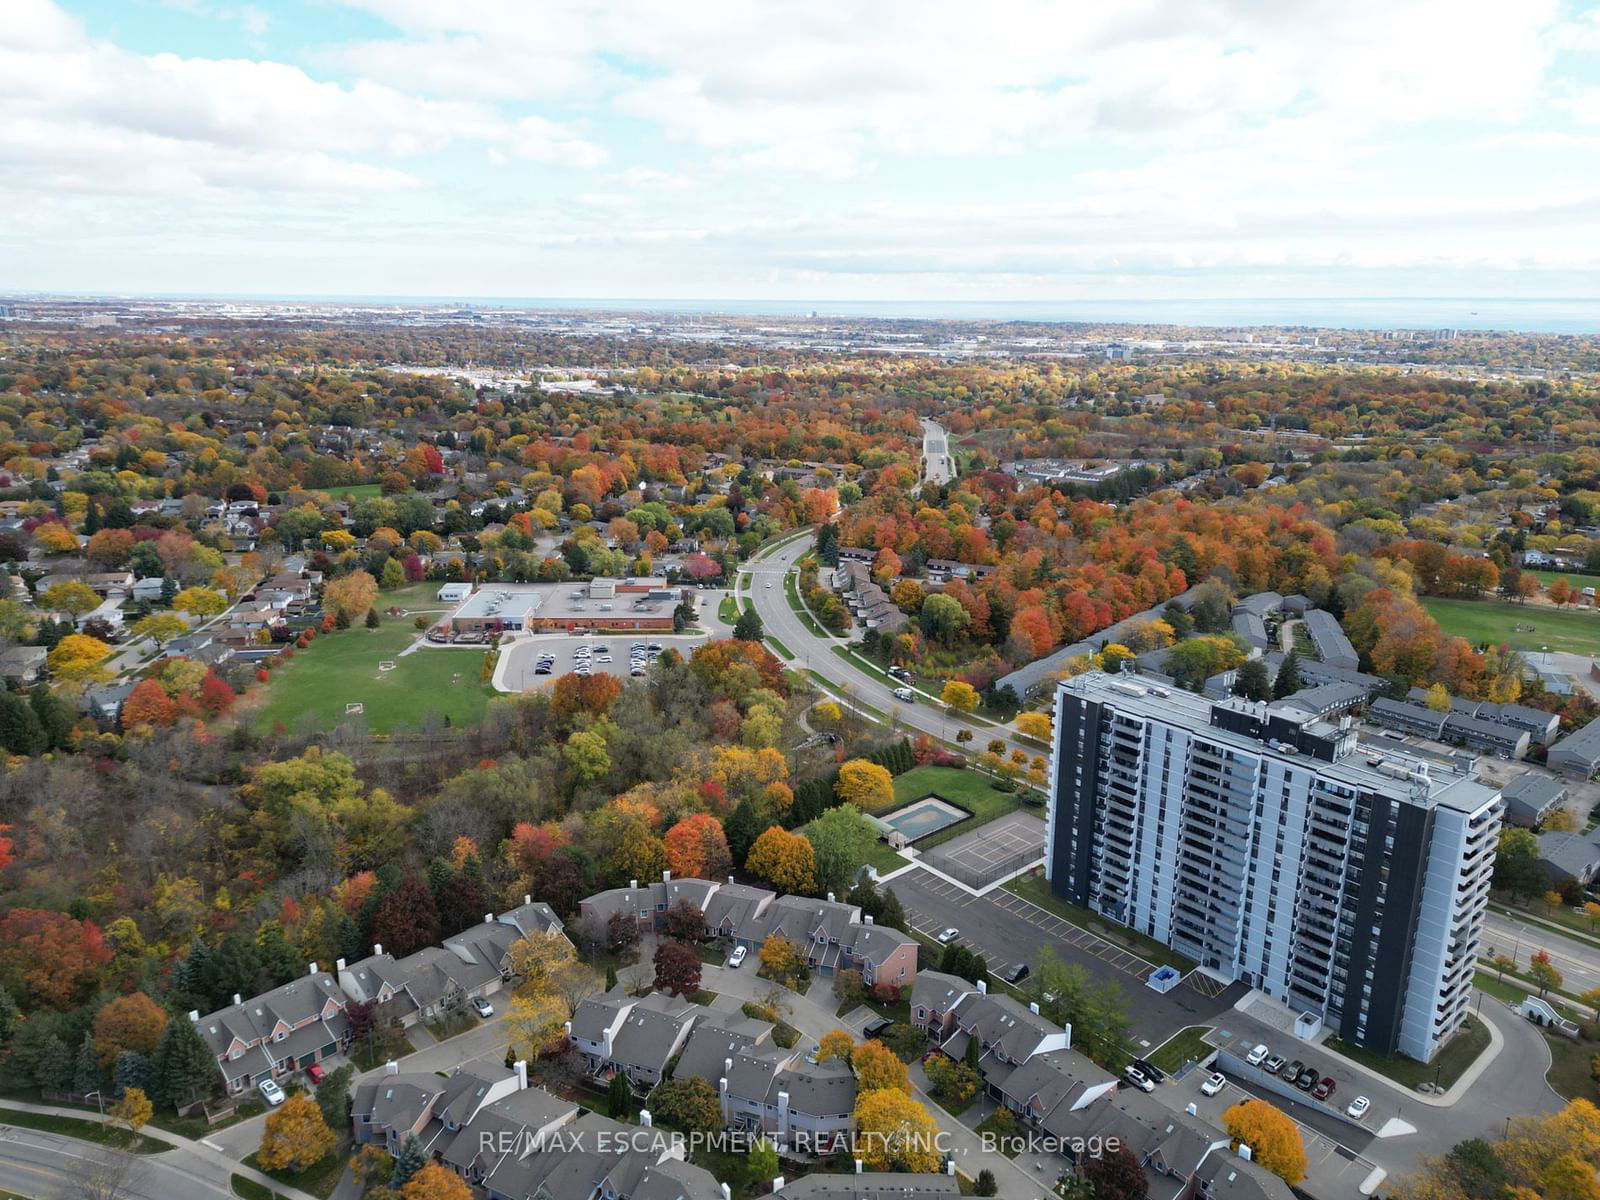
pixel 618 604
pixel 1343 879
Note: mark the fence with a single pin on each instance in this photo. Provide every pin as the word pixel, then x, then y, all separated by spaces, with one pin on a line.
pixel 978 877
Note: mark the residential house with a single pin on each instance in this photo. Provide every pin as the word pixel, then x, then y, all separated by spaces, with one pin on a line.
pixel 874 1185
pixel 633 1036
pixel 1531 797
pixel 278 1032
pixel 22 664
pixel 954 1013
pixel 805 1107
pixel 834 936
pixel 1577 754
pixel 1331 644
pixel 1568 857
pixel 596 1158
pixel 1052 1079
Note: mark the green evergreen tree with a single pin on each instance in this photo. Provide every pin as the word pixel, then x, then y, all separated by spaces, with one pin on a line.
pixel 56 717
pixel 133 1069
pixel 1288 681
pixel 412 1157
pixel 185 1069
pixel 275 955
pixel 894 916
pixel 619 1096
pixel 54 1068
pixel 169 589
pixel 1252 681
pixel 20 730
pixel 86 1068
pixel 748 627
pixel 10 1017
pixel 611 978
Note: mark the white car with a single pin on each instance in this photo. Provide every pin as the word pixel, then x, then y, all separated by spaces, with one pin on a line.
pixel 1213 1084
pixel 1139 1080
pixel 946 936
pixel 905 694
pixel 602 658
pixel 737 957
pixel 1257 1056
pixel 481 1006
pixel 1358 1107
pixel 769 583
pixel 271 1093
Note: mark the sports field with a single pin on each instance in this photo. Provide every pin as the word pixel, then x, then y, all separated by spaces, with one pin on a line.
pixel 1521 626
pixel 342 668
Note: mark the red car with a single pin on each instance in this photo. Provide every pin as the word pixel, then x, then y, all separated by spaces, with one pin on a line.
pixel 315 1072
pixel 1324 1089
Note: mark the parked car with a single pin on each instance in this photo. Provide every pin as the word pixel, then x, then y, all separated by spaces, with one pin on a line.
pixel 1150 1071
pixel 1358 1107
pixel 946 936
pixel 315 1073
pixel 876 1027
pixel 1015 973
pixel 1214 1083
pixel 1292 1071
pixel 904 694
pixel 1137 1077
pixel 482 1007
pixel 271 1093
pixel 1257 1056
pixel 1273 1065
pixel 1324 1089
pixel 737 957
pixel 1307 1079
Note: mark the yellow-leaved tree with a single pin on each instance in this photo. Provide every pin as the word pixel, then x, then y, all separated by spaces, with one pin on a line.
pixel 865 784
pixel 895 1133
pixel 783 859
pixel 1273 1138
pixel 296 1136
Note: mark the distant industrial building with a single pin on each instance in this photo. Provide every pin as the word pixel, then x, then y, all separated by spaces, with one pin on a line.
pixel 619 604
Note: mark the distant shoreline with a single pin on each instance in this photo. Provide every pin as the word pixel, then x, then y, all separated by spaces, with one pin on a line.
pixel 1531 315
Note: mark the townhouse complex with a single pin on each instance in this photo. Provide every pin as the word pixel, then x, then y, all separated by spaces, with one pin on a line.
pixel 835 936
pixel 302 1022
pixel 1347 879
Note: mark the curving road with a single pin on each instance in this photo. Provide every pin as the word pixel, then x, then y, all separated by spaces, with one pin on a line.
pixel 813 653
pixel 33 1163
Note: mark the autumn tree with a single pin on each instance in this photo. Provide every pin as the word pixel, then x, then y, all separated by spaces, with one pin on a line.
pixel 407 919
pixel 697 847
pixel 133 1110
pixel 1034 725
pixel 689 1105
pixel 1543 973
pixel 677 968
pixel 1115 1174
pixel 784 860
pixel 78 658
pixel 865 784
pixel 72 596
pixel 296 1136
pixel 895 1133
pixel 781 958
pixel 48 959
pixel 200 602
pixel 148 704
pixel 877 1066
pixel 836 1043
pixel 160 628
pixel 1273 1138
pixel 131 1022
pixel 433 1182
pixel 536 1024
pixel 350 596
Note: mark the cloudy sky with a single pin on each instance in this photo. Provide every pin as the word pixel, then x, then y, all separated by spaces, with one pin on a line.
pixel 813 149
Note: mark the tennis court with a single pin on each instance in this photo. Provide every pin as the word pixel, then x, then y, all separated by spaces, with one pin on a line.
pixel 993 851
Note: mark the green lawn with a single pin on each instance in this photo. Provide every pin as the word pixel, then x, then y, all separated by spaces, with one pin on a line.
pixel 371 1059
pixel 783 651
pixel 1575 579
pixel 1569 1067
pixel 354 491
pixel 249 1189
pixel 1576 925
pixel 1575 631
pixel 1181 1047
pixel 88 1131
pixel 319 1179
pixel 414 597
pixel 968 789
pixel 342 668
pixel 1459 1053
pixel 728 610
pixel 791 590
pixel 1034 888
pixel 883 859
pixel 195 1128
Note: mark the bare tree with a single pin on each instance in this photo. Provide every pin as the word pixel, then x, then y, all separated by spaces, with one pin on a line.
pixel 105 1173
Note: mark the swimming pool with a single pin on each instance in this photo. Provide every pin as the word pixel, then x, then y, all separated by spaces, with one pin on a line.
pixel 922 817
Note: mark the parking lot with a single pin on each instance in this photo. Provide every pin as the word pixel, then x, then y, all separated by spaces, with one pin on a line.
pixel 1333 1166
pixel 1008 930
pixel 567 652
